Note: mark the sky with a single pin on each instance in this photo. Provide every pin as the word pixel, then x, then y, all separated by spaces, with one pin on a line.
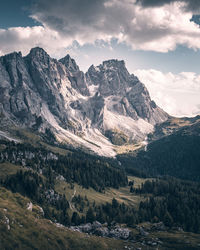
pixel 159 40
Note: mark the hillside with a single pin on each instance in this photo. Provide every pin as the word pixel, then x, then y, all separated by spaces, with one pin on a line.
pixel 73 188
pixel 176 154
pixel 23 226
pixel 89 161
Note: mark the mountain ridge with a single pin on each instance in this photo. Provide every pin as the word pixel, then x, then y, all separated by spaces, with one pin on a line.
pixel 40 92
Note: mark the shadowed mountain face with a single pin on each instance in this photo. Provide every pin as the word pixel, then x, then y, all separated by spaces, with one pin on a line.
pixel 175 154
pixel 39 92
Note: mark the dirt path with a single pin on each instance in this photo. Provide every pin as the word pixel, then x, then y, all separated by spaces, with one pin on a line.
pixel 71 206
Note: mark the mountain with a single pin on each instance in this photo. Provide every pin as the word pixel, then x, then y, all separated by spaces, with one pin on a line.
pixel 52 190
pixel 98 110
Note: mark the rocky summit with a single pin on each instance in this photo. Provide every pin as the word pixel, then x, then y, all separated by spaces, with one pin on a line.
pixel 97 110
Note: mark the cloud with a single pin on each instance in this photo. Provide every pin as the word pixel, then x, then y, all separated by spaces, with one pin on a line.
pixel 177 94
pixel 24 38
pixel 191 5
pixel 159 28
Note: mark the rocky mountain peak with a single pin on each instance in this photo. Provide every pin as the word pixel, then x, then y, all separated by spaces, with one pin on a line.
pixel 69 63
pixel 38 52
pixel 11 56
pixel 40 92
pixel 113 63
pixel 112 77
pixel 76 76
pixel 38 56
pixel 11 67
pixel 123 94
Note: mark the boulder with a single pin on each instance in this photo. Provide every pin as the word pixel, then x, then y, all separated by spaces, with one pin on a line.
pixel 120 233
pixel 102 231
pixel 30 206
pixel 96 224
pixel 87 228
pixel 143 232
pixel 158 226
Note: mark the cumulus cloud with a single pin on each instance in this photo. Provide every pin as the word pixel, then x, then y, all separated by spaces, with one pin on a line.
pixel 178 94
pixel 24 38
pixel 159 28
pixel 191 5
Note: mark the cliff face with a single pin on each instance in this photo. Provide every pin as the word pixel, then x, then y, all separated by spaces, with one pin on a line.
pixel 39 92
pixel 123 92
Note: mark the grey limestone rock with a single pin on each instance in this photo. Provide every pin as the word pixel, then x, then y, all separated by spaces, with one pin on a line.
pixel 77 77
pixel 37 91
pixel 129 96
pixel 102 231
pixel 120 233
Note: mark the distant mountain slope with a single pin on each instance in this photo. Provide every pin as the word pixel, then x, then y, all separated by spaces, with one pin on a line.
pixel 172 125
pixel 96 110
pixel 176 154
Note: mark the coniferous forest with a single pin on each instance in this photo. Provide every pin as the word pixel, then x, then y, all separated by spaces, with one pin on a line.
pixel 173 201
pixel 175 155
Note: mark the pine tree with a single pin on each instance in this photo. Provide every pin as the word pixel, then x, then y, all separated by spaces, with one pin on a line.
pixel 75 220
pixel 115 203
pixel 168 220
pixel 90 217
pixel 131 189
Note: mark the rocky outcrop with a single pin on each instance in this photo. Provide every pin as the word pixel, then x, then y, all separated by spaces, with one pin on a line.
pixel 96 228
pixel 76 77
pixel 29 83
pixel 18 102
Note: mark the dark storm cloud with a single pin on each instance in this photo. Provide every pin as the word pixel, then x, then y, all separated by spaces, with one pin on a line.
pixel 64 15
pixel 191 5
pixel 86 20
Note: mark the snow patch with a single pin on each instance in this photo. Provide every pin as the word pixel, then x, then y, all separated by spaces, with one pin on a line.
pixel 93 89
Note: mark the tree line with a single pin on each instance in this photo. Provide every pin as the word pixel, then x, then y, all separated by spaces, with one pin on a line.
pixel 88 171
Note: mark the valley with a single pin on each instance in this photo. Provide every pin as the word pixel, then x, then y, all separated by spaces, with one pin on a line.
pixel 89 161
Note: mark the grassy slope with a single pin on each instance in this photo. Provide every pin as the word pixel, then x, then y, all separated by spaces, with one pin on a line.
pixel 8 169
pixel 29 231
pixel 35 139
pixel 172 125
pixel 122 194
pixel 175 240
